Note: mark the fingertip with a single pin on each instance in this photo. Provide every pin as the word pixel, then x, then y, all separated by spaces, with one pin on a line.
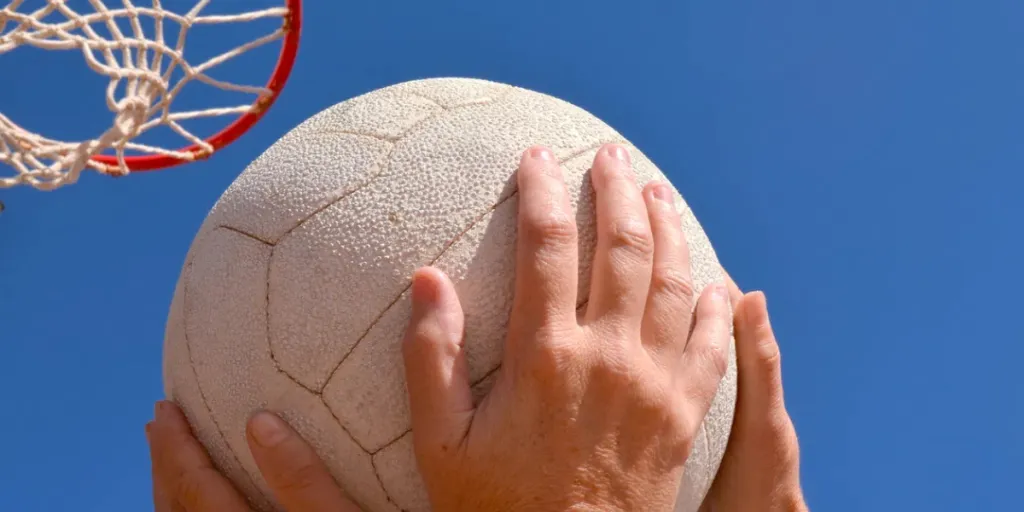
pixel 426 286
pixel 616 152
pixel 436 302
pixel 658 190
pixel 536 166
pixel 712 313
pixel 432 285
pixel 752 324
pixel 539 171
pixel 756 310
pixel 434 296
pixel 537 154
pixel 660 200
pixel 611 162
pixel 716 300
pixel 167 414
pixel 267 430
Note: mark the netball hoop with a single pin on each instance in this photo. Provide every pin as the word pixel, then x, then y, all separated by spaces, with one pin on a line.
pixel 146 73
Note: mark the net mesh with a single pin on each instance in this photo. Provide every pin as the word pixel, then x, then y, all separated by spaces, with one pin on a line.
pixel 146 73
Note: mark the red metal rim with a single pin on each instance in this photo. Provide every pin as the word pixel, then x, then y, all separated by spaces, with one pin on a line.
pixel 289 50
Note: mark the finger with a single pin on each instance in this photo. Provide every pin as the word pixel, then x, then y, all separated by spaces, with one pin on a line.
pixel 161 502
pixel 735 294
pixel 184 472
pixel 437 376
pixel 547 248
pixel 294 472
pixel 705 359
pixel 758 358
pixel 670 300
pixel 625 246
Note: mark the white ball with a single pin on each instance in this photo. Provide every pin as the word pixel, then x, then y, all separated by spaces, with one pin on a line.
pixel 295 293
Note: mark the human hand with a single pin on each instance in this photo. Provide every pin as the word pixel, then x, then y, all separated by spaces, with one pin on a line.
pixel 585 413
pixel 590 411
pixel 761 468
pixel 185 480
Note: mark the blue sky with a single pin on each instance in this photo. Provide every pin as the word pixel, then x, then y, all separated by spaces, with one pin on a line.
pixel 862 162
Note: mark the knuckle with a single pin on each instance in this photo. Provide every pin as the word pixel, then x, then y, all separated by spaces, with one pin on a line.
pixel 716 359
pixel 768 353
pixel 669 226
pixel 654 402
pixel 770 359
pixel 680 426
pixel 551 228
pixel 551 360
pixel 679 432
pixel 422 336
pixel 778 434
pixel 700 396
pixel 632 237
pixel 614 369
pixel 664 419
pixel 418 334
pixel 712 363
pixel 780 428
pixel 673 284
pixel 412 343
pixel 427 342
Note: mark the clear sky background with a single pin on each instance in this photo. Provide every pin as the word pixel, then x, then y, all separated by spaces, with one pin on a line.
pixel 862 162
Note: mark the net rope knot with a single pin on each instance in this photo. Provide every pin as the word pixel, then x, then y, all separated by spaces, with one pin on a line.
pixel 143 66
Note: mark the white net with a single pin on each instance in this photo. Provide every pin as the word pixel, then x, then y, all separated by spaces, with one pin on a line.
pixel 146 73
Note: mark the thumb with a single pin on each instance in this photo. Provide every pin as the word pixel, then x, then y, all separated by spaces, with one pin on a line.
pixel 437 376
pixel 758 359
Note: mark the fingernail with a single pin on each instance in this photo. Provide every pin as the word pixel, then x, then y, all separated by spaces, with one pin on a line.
pixel 268 430
pixel 719 292
pixel 424 291
pixel 663 192
pixel 542 154
pixel 619 153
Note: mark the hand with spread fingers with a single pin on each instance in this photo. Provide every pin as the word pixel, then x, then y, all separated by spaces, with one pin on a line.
pixel 592 410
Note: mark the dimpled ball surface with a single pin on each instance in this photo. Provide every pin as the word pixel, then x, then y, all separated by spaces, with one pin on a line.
pixel 295 292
